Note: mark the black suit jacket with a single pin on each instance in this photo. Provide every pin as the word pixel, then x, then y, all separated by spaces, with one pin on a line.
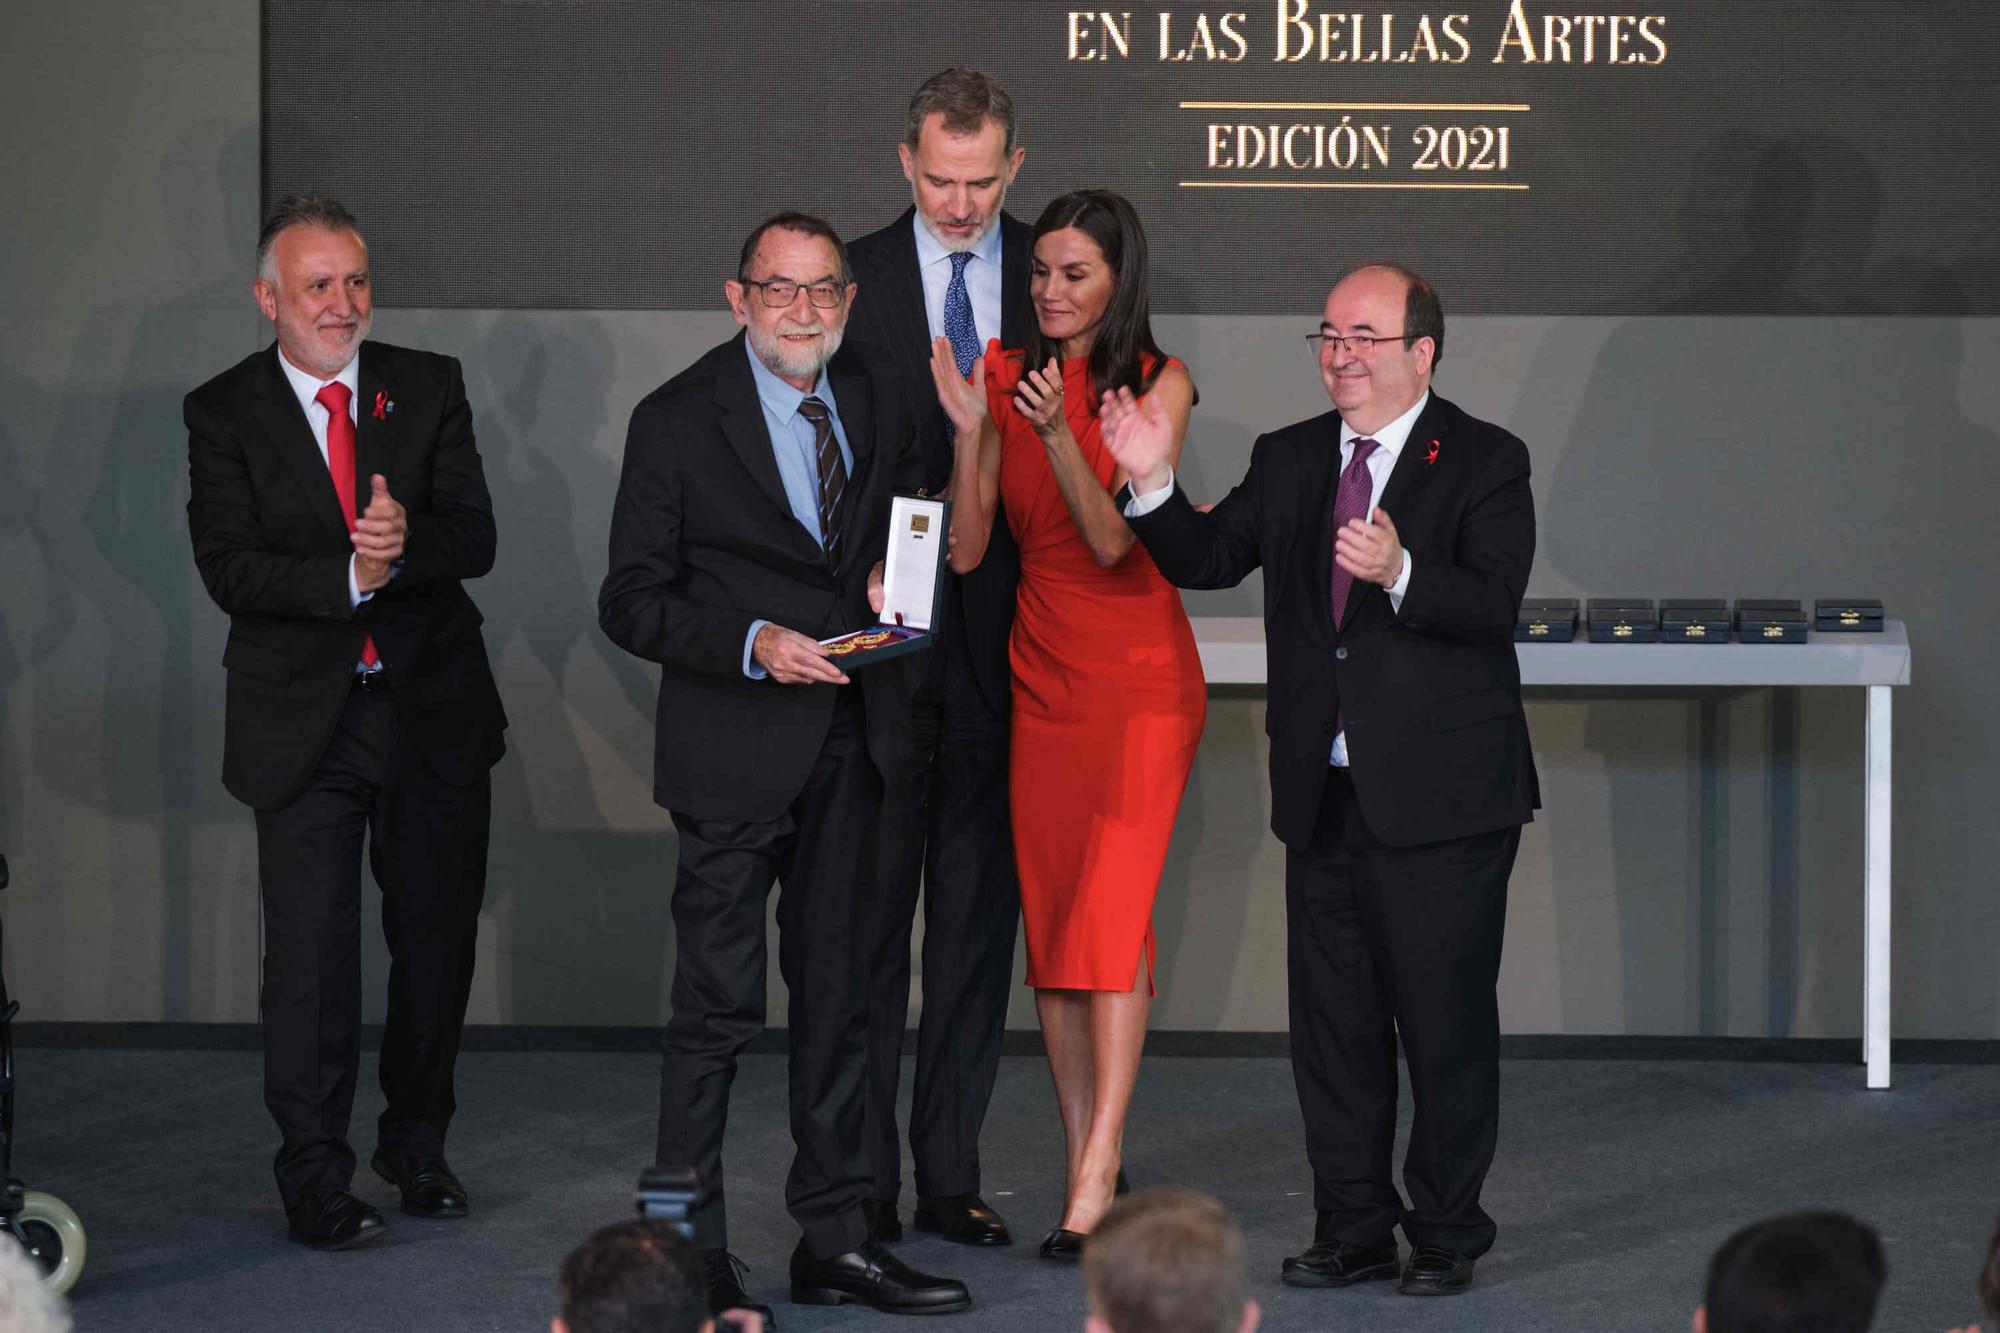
pixel 1437 742
pixel 273 551
pixel 890 319
pixel 704 543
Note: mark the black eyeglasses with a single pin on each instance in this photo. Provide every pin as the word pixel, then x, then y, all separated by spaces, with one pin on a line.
pixel 781 292
pixel 1361 344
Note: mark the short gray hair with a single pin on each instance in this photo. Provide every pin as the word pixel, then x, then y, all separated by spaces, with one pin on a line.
pixel 968 100
pixel 26 1303
pixel 301 210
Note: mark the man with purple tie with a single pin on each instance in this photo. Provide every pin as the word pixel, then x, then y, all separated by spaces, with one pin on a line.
pixel 1395 535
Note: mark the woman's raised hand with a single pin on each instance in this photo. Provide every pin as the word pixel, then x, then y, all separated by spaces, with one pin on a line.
pixel 963 401
pixel 1039 398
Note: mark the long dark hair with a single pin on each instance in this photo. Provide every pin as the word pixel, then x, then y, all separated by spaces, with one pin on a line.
pixel 1126 331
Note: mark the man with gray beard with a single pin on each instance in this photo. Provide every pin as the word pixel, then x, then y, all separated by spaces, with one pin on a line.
pixel 751 519
pixel 953 266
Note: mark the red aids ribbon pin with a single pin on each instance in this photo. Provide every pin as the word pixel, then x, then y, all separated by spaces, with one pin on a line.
pixel 1430 454
pixel 383 407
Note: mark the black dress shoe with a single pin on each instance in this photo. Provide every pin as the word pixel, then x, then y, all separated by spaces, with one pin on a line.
pixel 1436 1272
pixel 336 1220
pixel 725 1273
pixel 428 1187
pixel 883 1224
pixel 1335 1263
pixel 963 1219
pixel 873 1277
pixel 1063 1244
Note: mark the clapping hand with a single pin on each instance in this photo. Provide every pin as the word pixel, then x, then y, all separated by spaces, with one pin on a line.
pixel 378 536
pixel 1039 397
pixel 1139 435
pixel 963 400
pixel 1370 551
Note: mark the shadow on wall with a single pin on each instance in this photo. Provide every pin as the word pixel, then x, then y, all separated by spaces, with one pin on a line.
pixel 582 863
pixel 1779 458
pixel 116 709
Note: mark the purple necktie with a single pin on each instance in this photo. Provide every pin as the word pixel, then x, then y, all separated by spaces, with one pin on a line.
pixel 1350 501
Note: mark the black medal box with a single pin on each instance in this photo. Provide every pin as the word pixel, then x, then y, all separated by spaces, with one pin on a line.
pixel 1847 615
pixel 1770 620
pixel 1546 620
pixel 1623 620
pixel 912 586
pixel 1694 620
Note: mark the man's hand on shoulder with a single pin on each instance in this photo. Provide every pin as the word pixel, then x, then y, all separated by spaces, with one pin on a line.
pixel 378 537
pixel 793 659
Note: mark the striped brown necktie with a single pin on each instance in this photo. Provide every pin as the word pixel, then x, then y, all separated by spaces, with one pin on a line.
pixel 832 475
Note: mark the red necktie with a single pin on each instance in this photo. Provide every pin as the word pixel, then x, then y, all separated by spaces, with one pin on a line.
pixel 1350 501
pixel 334 398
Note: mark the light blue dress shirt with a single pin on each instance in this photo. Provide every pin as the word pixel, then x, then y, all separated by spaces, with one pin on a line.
pixel 792 440
pixel 982 280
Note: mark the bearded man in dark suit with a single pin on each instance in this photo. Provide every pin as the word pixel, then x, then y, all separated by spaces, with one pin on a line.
pixel 751 519
pixel 953 266
pixel 336 502
pixel 1400 767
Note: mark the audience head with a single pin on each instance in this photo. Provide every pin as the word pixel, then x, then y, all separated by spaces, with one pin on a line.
pixel 640 1276
pixel 26 1303
pixel 959 155
pixel 1090 285
pixel 1382 335
pixel 1817 1271
pixel 1167 1260
pixel 312 283
pixel 791 293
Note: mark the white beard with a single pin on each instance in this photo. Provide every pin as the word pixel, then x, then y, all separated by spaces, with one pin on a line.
pixel 952 242
pixel 791 362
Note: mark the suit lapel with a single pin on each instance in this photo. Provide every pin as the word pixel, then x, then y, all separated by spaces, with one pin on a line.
pixel 742 421
pixel 851 394
pixel 1413 470
pixel 285 426
pixel 1320 488
pixel 375 438
pixel 905 321
pixel 1016 241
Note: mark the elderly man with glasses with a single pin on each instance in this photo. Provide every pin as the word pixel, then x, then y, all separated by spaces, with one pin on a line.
pixel 751 517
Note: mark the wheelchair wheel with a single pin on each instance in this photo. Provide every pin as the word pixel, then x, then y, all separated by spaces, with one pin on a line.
pixel 52 1233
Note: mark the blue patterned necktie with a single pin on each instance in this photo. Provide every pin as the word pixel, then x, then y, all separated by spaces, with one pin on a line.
pixel 958 326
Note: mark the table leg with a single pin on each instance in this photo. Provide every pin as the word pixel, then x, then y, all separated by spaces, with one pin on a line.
pixel 1876 892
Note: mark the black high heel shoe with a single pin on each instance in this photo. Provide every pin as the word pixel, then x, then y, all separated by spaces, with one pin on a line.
pixel 1063 1244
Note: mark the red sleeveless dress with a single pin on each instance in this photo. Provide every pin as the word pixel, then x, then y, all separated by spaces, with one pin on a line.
pixel 1109 701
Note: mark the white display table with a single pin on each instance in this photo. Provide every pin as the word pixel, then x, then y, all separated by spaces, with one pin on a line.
pixel 1232 653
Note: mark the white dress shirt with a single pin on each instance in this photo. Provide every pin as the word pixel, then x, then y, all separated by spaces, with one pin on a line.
pixel 307 387
pixel 1389 442
pixel 982 280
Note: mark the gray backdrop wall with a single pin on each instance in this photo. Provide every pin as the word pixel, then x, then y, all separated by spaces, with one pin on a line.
pixel 1696 870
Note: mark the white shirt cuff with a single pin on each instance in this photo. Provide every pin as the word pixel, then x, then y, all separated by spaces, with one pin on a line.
pixel 355 596
pixel 1140 505
pixel 1400 586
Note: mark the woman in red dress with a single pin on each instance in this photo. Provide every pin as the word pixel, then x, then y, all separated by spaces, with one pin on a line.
pixel 1108 691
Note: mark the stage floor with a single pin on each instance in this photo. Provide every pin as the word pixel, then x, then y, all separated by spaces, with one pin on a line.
pixel 1615 1181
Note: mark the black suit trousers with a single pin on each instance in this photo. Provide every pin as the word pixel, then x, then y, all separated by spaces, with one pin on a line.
pixel 1386 941
pixel 819 851
pixel 426 842
pixel 945 824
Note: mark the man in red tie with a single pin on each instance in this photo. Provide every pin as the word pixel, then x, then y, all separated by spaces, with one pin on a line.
pixel 336 501
pixel 1395 535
